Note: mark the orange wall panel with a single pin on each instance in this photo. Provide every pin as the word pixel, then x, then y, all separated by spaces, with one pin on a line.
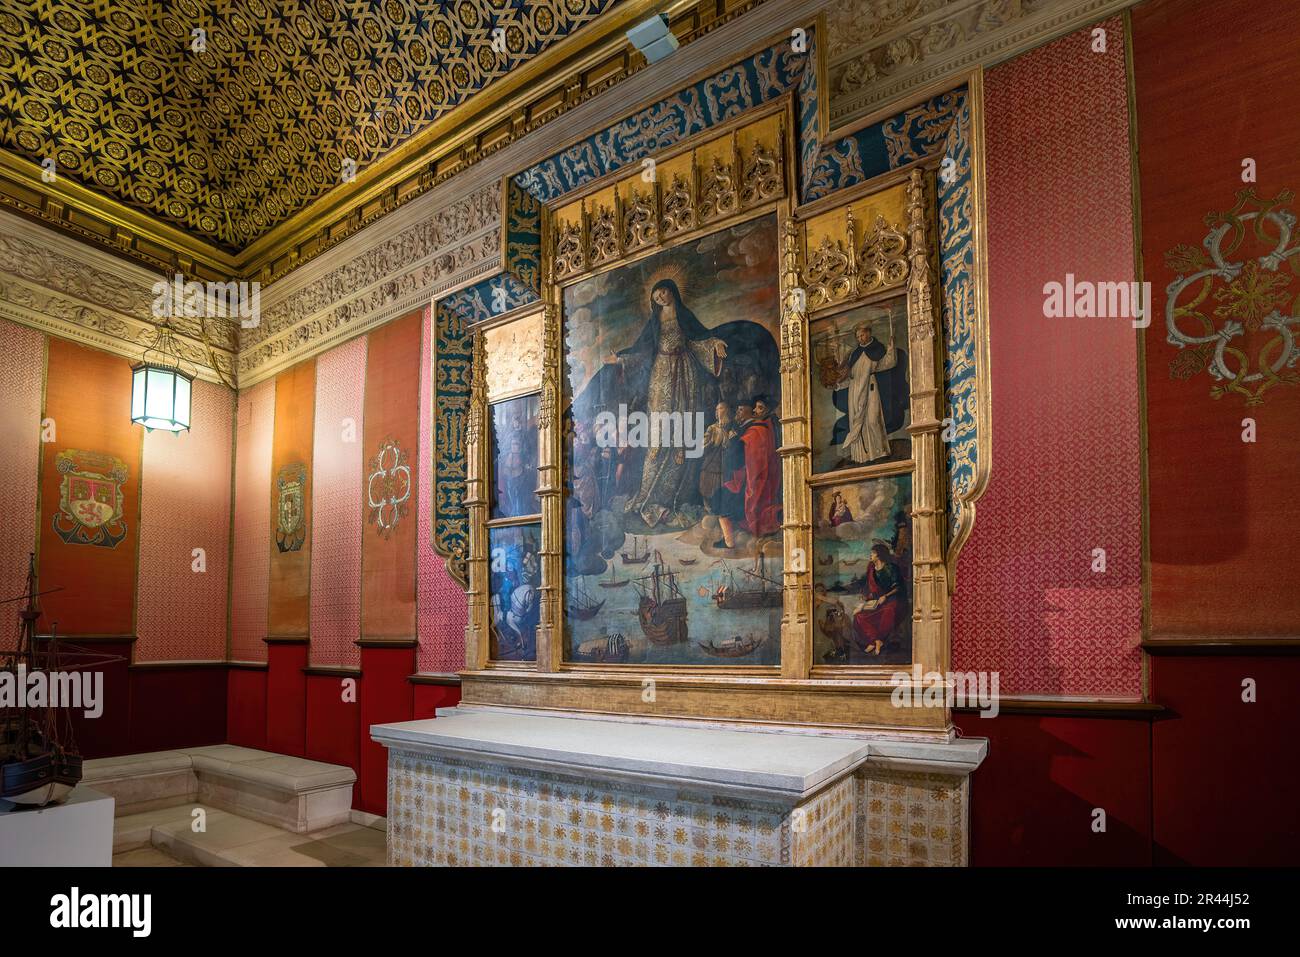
pixel 289 588
pixel 390 479
pixel 92 472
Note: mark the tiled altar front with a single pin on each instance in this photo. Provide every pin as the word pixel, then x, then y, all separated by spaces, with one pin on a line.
pixel 485 787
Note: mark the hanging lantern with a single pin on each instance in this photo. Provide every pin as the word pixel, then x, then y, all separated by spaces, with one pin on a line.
pixel 160 386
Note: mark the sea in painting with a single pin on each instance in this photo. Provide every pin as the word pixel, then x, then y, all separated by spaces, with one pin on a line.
pixel 860 393
pixel 514 583
pixel 862 572
pixel 673 495
pixel 514 457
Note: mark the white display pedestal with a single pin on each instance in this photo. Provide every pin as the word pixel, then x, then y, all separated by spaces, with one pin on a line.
pixel 76 833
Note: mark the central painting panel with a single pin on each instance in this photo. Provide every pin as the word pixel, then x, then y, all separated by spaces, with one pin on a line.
pixel 673 507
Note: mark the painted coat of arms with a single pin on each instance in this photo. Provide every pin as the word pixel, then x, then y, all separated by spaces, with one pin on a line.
pixel 388 487
pixel 90 498
pixel 290 527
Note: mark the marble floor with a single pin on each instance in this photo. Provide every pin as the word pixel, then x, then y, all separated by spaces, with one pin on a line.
pixel 166 838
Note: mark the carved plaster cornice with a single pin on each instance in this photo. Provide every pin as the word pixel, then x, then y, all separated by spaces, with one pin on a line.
pixel 62 287
pixel 391 274
pixel 883 52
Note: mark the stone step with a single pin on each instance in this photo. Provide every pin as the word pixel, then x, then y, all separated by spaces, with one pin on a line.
pixel 229 840
pixel 296 794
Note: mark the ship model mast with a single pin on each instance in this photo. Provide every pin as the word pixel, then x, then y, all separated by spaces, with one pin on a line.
pixel 39 761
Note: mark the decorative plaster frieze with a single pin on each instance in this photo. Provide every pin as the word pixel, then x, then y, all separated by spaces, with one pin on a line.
pixel 883 51
pixel 449 247
pixel 62 287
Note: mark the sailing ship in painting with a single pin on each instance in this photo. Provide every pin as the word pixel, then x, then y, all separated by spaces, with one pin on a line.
pixel 755 589
pixel 661 609
pixel 584 606
pixel 640 553
pixel 685 340
pixel 39 760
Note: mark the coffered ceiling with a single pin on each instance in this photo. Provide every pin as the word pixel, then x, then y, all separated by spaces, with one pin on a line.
pixel 228 137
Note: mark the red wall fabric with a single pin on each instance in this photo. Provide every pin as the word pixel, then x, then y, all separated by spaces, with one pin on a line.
pixel 21 374
pixel 185 505
pixel 387 696
pixel 1066 457
pixel 88 397
pixel 246 707
pixel 1223 512
pixel 289 583
pixel 392 477
pixel 1033 800
pixel 286 698
pixel 337 519
pixel 250 564
pixel 1224 773
pixel 177 707
pixel 333 724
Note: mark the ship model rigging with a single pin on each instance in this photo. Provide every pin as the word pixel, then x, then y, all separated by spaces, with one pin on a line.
pixel 39 760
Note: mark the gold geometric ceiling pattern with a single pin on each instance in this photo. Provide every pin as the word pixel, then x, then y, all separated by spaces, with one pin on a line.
pixel 229 140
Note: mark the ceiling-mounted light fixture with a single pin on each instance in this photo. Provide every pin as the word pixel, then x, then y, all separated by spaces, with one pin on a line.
pixel 161 385
pixel 653 38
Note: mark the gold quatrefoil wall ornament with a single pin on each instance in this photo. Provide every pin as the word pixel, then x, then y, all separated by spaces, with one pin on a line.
pixel 1234 306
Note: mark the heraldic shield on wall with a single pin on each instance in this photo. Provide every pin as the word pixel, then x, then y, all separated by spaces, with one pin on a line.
pixel 90 498
pixel 290 530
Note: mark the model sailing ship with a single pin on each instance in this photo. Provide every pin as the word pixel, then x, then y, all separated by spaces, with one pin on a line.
pixel 39 761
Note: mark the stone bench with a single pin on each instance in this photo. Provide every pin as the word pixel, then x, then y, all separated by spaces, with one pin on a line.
pixel 293 793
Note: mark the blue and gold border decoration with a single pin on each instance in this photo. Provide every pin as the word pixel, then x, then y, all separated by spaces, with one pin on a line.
pixel 961 264
pixel 933 132
pixel 454 318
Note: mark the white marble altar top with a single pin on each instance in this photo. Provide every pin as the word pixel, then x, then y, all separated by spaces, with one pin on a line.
pixel 788 764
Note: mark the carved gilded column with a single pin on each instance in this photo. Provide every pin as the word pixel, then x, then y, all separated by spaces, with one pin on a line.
pixel 930 615
pixel 796 463
pixel 476 630
pixel 550 491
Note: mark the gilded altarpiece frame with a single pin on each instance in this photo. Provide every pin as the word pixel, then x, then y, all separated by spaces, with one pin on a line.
pixel 734 173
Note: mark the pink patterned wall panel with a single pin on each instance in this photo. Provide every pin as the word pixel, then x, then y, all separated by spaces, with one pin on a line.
pixel 440 603
pixel 1065 402
pixel 185 505
pixel 22 372
pixel 255 429
pixel 336 506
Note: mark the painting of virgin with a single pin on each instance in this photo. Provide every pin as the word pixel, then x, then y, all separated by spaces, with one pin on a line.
pixel 862 573
pixel 673 494
pixel 514 457
pixel 860 392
